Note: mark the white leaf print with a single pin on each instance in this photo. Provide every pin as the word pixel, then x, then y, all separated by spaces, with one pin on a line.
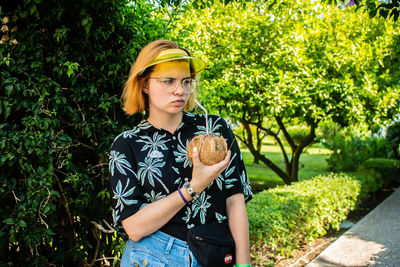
pixel 121 195
pixel 153 143
pixel 119 161
pixel 200 207
pixel 150 169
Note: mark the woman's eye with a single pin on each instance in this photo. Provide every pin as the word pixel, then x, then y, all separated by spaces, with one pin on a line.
pixel 168 81
pixel 187 82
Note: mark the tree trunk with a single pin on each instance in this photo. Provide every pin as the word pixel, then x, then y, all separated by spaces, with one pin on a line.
pixel 291 173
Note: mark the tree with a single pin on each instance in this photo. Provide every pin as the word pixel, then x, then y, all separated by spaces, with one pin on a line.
pixel 62 68
pixel 298 62
pixel 388 9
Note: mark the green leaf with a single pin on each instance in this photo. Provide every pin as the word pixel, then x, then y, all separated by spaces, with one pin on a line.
pixel 395 13
pixel 6 109
pixel 372 13
pixel 22 223
pixel 9 88
pixel 383 13
pixel 9 221
pixel 32 9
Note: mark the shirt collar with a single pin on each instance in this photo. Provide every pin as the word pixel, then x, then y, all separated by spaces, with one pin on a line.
pixel 187 119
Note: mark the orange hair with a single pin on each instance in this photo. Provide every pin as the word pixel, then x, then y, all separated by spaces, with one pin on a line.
pixel 133 98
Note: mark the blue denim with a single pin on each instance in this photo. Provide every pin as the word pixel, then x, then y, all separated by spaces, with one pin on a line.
pixel 159 250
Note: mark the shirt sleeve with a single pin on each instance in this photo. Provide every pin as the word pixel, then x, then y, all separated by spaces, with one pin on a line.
pixel 126 196
pixel 235 175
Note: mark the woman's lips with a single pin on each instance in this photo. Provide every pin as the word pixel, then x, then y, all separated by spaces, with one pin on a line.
pixel 178 102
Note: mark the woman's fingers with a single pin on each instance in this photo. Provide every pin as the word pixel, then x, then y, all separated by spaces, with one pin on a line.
pixel 195 157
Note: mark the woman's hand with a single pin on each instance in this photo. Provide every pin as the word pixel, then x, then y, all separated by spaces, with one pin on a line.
pixel 203 175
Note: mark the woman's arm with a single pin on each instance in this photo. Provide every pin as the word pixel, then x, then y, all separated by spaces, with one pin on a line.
pixel 155 215
pixel 239 226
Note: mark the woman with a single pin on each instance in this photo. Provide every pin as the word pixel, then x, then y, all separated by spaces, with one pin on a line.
pixel 150 172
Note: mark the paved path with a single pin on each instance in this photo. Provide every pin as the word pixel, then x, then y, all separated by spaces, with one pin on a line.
pixel 373 241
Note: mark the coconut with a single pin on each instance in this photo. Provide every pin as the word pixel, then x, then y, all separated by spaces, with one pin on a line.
pixel 212 149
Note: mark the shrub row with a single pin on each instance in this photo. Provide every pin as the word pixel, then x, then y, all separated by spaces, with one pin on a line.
pixel 381 171
pixel 382 163
pixel 282 217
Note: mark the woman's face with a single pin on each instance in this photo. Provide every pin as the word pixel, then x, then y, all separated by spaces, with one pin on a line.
pixel 164 74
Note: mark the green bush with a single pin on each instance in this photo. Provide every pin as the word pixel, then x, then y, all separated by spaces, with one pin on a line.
pixel 350 152
pixel 381 170
pixel 382 163
pixel 393 138
pixel 62 67
pixel 326 130
pixel 282 217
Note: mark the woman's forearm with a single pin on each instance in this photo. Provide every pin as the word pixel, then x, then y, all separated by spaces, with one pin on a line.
pixel 239 226
pixel 154 215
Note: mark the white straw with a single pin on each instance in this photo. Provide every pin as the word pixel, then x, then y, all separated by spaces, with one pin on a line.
pixel 205 112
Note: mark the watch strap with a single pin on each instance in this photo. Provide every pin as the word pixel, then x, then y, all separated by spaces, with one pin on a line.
pixel 190 190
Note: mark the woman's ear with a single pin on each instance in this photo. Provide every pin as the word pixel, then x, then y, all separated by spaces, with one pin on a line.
pixel 145 87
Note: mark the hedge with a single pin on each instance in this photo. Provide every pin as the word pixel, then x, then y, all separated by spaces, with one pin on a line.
pixel 382 163
pixel 380 171
pixel 62 69
pixel 282 217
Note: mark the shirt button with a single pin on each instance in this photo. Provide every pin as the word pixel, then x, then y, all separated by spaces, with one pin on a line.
pixel 173 137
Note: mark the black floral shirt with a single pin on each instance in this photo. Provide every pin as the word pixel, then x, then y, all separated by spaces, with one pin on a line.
pixel 146 164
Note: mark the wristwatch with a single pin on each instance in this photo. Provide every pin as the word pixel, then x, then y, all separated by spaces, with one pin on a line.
pixel 191 192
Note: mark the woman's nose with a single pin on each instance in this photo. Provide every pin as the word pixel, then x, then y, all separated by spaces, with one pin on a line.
pixel 179 89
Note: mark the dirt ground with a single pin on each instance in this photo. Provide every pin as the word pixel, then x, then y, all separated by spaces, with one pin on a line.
pixel 306 253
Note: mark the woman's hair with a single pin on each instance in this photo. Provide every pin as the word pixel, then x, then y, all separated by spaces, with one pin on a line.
pixel 133 98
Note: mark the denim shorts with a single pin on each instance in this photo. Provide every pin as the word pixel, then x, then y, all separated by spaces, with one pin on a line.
pixel 158 249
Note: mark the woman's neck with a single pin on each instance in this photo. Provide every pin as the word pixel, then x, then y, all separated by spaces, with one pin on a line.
pixel 167 122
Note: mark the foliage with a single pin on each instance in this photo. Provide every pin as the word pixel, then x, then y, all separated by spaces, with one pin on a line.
pixel 327 130
pixel 385 9
pixel 383 171
pixel 350 152
pixel 393 138
pixel 62 67
pixel 257 136
pixel 382 163
pixel 298 61
pixel 298 133
pixel 388 9
pixel 282 217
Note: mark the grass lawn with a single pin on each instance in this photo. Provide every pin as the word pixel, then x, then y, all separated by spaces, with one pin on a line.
pixel 312 163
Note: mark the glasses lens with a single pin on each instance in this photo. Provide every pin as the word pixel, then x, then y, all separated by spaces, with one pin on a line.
pixel 189 85
pixel 169 84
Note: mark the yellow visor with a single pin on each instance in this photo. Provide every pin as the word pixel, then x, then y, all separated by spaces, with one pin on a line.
pixel 196 64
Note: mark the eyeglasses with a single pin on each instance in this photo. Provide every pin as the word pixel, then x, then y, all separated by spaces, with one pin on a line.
pixel 170 84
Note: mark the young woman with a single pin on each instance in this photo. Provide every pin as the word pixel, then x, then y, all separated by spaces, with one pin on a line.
pixel 151 175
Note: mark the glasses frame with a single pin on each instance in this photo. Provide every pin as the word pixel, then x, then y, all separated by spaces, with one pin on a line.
pixel 176 86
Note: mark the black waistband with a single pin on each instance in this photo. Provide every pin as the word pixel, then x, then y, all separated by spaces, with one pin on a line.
pixel 175 230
